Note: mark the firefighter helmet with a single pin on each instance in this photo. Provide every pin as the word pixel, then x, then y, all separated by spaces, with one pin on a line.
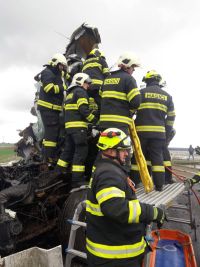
pixel 58 59
pixel 152 74
pixel 96 52
pixel 114 138
pixel 81 78
pixel 128 60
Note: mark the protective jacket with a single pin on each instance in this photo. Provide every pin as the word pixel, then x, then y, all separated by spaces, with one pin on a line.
pixel 77 113
pixel 115 218
pixel 156 114
pixel 120 98
pixel 96 67
pixel 51 92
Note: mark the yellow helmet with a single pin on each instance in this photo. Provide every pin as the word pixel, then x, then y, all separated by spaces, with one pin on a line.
pixel 96 52
pixel 114 138
pixel 152 74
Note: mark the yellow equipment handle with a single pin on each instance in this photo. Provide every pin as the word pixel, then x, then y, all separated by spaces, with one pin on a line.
pixel 140 160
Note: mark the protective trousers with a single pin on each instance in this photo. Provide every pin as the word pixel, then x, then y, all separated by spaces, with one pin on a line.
pixel 168 165
pixel 75 152
pixel 50 119
pixel 153 153
pixel 129 262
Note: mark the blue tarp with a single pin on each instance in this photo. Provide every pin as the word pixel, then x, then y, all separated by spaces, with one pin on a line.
pixel 169 254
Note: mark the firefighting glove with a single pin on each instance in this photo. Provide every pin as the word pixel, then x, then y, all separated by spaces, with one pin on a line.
pixel 159 217
pixel 191 181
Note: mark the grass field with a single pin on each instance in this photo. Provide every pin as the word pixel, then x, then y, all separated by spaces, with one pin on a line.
pixel 7 154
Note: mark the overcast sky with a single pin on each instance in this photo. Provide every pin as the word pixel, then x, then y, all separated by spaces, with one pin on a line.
pixel 165 35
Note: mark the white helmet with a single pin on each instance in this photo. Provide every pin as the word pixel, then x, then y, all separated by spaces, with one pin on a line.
pixel 128 59
pixel 81 78
pixel 58 58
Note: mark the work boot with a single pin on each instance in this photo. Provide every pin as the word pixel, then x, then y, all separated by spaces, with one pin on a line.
pixel 159 188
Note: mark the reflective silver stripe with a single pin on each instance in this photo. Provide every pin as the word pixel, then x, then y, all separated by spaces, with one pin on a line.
pixel 93 209
pixel 134 211
pixel 116 252
pixel 108 193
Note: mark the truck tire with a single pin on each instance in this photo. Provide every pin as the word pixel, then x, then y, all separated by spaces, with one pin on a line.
pixel 67 212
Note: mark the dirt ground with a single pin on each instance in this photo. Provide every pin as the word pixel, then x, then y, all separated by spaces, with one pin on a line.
pixel 183 199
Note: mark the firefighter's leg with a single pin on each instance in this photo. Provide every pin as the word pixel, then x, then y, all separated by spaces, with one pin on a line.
pixel 135 175
pixel 50 120
pixel 168 165
pixel 80 155
pixel 155 147
pixel 67 154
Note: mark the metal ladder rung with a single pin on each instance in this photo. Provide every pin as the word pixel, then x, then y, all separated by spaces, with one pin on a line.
pixel 73 222
pixel 77 253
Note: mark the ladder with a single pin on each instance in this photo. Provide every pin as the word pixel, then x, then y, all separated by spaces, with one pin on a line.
pixel 75 225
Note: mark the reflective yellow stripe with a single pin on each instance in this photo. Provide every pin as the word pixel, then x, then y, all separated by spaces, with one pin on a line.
pixel 114 94
pixel 105 70
pixel 171 113
pixel 148 163
pixel 75 124
pixel 95 81
pixel 48 87
pixel 109 193
pixel 48 105
pixel 90 117
pixel 111 81
pixel 167 163
pixel 158 169
pixel 93 209
pixel 169 123
pixel 150 128
pixel 116 118
pixel 155 213
pixel 116 252
pixel 78 168
pixel 134 211
pixel 56 89
pixel 49 143
pixel 134 167
pixel 71 107
pixel 132 94
pixel 62 163
pixel 92 65
pixel 153 106
pixel 82 101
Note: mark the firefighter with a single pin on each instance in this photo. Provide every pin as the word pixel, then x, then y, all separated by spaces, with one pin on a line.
pixel 77 117
pixel 154 122
pixel 50 103
pixel 116 220
pixel 96 67
pixel 120 95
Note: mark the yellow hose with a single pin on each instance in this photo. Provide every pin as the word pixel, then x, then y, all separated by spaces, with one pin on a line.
pixel 140 160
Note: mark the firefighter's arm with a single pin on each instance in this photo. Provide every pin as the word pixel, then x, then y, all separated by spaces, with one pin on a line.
pixel 51 84
pixel 83 107
pixel 191 181
pixel 133 94
pixel 114 204
pixel 105 69
pixel 170 117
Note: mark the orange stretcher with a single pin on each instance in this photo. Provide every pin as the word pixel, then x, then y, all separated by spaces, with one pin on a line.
pixel 170 248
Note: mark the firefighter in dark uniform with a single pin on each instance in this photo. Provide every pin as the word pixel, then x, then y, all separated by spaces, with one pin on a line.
pixel 154 121
pixel 115 218
pixel 120 95
pixel 50 103
pixel 77 117
pixel 96 67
